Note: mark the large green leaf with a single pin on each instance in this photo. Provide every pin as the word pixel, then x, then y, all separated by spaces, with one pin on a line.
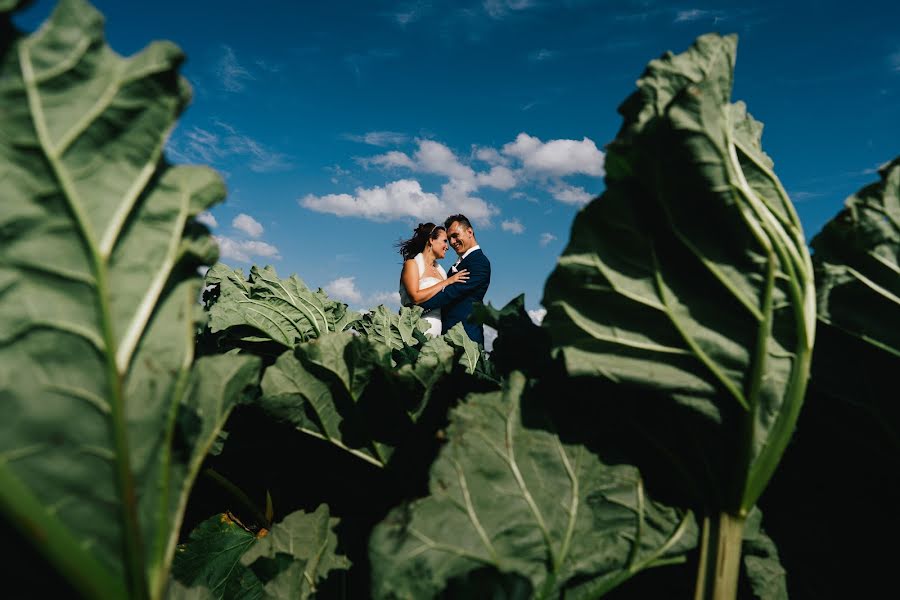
pixel 471 355
pixel 211 559
pixel 393 329
pixel 857 261
pixel 761 565
pixel 514 498
pixel 266 307
pixel 848 441
pixel 106 420
pixel 689 277
pixel 319 389
pixel 309 541
pixel 287 562
pixel 520 345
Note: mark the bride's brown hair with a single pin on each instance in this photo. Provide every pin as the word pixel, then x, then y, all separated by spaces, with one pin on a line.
pixel 421 234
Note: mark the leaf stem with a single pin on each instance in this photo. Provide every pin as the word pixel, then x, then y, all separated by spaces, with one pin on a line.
pixel 238 494
pixel 720 557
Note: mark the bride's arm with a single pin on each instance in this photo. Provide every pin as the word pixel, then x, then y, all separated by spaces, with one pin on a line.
pixel 410 280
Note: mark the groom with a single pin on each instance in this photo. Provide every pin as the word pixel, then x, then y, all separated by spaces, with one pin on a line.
pixel 456 300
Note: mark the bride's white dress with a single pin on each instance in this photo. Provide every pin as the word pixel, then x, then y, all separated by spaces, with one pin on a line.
pixel 433 316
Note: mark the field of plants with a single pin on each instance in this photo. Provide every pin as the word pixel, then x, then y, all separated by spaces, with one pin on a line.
pixel 705 411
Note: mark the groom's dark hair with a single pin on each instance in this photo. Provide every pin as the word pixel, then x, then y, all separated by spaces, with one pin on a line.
pixel 461 219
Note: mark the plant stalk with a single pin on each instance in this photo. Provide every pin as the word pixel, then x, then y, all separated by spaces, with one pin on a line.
pixel 239 495
pixel 720 557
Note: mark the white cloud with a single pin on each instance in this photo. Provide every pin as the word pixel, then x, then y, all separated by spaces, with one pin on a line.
pixel 542 55
pixel 387 298
pixel 694 14
pixel 570 194
pixel 230 72
pixel 344 288
pixel 497 9
pixel 262 159
pixel 400 199
pixel 391 159
pixel 207 219
pixel 490 336
pixel 248 225
pixel 436 158
pixel 556 157
pixel 490 155
pixel 546 238
pixel 894 61
pixel 212 147
pixel 513 226
pixel 245 250
pixel 379 138
pixel 498 177
pixel 537 315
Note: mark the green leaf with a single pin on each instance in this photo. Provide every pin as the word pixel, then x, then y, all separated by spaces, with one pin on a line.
pixel 394 330
pixel 761 565
pixel 318 389
pixel 98 306
pixel 211 558
pixel 287 562
pixel 520 345
pixel 857 262
pixel 283 310
pixel 848 441
pixel 309 540
pixel 514 498
pixel 689 277
pixel 179 591
pixel 433 362
pixel 10 6
pixel 470 353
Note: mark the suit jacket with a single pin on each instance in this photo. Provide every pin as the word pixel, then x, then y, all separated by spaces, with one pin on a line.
pixel 456 300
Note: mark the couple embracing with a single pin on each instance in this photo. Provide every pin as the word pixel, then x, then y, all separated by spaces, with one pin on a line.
pixel 447 300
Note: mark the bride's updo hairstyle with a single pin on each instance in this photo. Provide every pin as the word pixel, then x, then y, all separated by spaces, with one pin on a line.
pixel 421 234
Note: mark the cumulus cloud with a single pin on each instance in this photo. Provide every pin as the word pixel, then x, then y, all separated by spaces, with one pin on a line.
pixel 231 73
pixel 513 226
pixel 344 289
pixel 557 157
pixel 570 194
pixel 391 159
pixel 537 315
pixel 207 219
pixel 498 177
pixel 379 138
pixel 387 298
pixel 436 158
pixel 490 336
pixel 543 162
pixel 546 238
pixel 245 250
pixel 490 155
pixel 248 225
pixel 399 199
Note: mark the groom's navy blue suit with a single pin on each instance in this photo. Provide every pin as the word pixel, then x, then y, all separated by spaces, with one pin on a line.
pixel 456 300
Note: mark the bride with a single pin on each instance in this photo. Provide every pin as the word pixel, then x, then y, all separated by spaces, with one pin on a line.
pixel 422 277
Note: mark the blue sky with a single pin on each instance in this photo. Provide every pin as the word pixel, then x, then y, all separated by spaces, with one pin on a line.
pixel 338 126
